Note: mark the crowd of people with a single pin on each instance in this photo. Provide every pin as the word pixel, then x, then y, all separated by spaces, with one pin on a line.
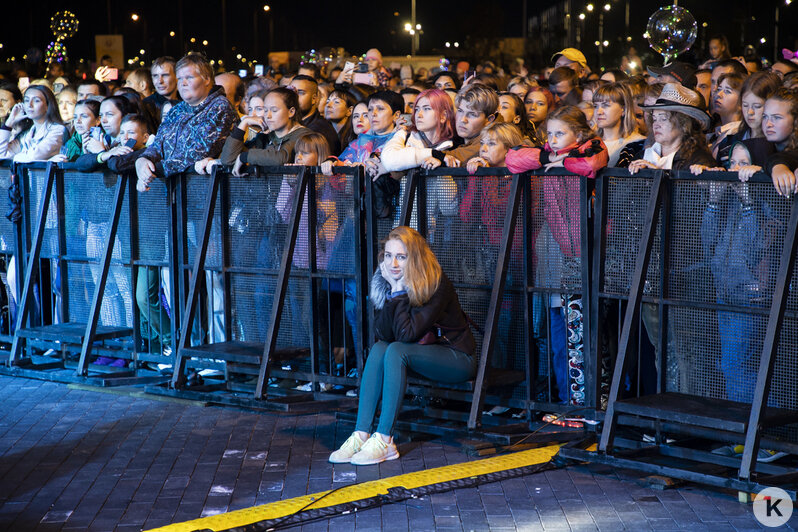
pixel 181 116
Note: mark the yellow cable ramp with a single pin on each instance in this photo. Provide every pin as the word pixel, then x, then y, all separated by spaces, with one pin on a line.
pixel 365 490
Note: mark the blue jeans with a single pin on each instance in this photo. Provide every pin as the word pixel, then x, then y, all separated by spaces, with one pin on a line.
pixel 738 353
pixel 559 348
pixel 385 375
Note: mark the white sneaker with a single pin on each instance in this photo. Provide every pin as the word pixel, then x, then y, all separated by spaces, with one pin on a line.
pixel 350 447
pixel 375 451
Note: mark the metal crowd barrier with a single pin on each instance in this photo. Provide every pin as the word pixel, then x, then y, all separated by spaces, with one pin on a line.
pixel 271 282
pixel 650 278
pixel 703 266
pixel 10 270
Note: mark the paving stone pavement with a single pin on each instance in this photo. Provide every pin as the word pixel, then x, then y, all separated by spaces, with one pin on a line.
pixel 76 460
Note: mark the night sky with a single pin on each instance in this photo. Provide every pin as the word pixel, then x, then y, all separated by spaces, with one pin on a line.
pixel 300 25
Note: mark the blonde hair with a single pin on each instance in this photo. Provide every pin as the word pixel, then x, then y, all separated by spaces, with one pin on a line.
pixel 422 271
pixel 508 134
pixel 618 93
pixel 313 143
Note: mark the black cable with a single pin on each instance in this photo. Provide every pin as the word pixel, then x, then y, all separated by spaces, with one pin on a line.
pixel 396 494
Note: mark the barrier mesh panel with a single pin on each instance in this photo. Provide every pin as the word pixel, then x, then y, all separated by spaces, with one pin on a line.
pixel 7 229
pixel 726 240
pixel 628 199
pixel 257 239
pixel 88 212
pixel 197 189
pixel 153 225
pixel 37 182
pixel 557 243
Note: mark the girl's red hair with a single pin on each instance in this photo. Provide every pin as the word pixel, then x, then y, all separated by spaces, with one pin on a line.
pixel 442 105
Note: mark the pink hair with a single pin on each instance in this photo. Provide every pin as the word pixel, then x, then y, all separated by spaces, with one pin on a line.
pixel 546 94
pixel 442 105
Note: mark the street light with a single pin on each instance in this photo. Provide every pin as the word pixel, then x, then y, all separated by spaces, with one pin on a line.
pixel 134 17
pixel 607 7
pixel 266 7
pixel 171 34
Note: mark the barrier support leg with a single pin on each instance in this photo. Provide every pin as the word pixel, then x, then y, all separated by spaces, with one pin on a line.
pixel 32 267
pixel 770 345
pixel 178 377
pixel 99 289
pixel 282 284
pixel 658 193
pixel 494 307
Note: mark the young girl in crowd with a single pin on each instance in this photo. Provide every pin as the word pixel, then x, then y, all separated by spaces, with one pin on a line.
pixel 780 126
pixel 734 244
pixel 727 105
pixel 538 102
pixel 615 120
pixel 108 144
pixel 310 149
pixel 431 132
pixel 41 131
pixel 513 111
pixel 267 149
pixel 571 145
pixel 67 99
pixel 757 88
pixel 255 104
pixel 419 325
pixel 87 116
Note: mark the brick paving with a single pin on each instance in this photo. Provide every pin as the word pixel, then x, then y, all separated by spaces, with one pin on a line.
pixel 76 460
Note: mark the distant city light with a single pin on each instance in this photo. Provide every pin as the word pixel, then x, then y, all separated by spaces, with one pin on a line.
pixel 204 43
pixel 448 44
pixel 171 34
pixel 763 40
pixel 607 7
pixel 581 16
pixel 266 7
pixel 134 16
pixel 590 7
pixel 141 51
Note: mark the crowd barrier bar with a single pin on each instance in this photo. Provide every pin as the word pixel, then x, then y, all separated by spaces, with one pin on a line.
pixel 677 413
pixel 475 393
pixel 263 354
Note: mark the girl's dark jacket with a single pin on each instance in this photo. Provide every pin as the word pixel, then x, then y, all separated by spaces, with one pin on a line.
pixel 397 321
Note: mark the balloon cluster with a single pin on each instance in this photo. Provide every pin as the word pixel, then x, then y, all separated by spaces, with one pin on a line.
pixel 671 30
pixel 64 24
pixel 444 64
pixel 56 52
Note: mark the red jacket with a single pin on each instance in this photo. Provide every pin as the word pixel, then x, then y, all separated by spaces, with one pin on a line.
pixel 561 193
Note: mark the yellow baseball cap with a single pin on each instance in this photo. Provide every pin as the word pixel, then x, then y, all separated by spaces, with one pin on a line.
pixel 572 54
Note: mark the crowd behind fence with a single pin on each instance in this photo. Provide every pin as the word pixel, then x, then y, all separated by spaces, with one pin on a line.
pixel 203 272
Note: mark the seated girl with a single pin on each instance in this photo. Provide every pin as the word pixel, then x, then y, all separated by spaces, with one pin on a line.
pixel 420 326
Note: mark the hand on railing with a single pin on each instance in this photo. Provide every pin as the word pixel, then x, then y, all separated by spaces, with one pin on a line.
pixel 698 169
pixel 639 164
pixel 474 163
pixel 374 168
pixel 145 171
pixel 204 166
pixel 238 167
pixel 744 173
pixel 784 180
